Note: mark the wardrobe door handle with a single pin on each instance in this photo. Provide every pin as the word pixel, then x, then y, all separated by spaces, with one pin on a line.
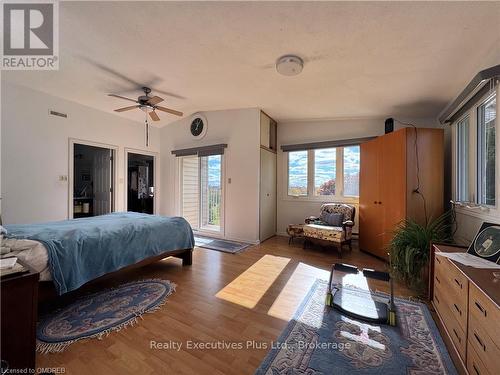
pixel 475 368
pixel 379 202
pixel 375 202
pixel 458 283
pixel 458 310
pixel 438 260
pixel 437 279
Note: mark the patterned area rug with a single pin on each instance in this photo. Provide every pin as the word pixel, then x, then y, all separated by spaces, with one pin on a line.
pixel 319 340
pixel 220 245
pixel 99 314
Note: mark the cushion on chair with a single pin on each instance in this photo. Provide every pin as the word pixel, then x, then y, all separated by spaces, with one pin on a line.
pixel 335 219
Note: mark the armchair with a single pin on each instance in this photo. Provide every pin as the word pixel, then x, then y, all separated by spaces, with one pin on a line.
pixel 320 229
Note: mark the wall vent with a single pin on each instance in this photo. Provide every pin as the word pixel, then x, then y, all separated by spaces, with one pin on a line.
pixel 55 113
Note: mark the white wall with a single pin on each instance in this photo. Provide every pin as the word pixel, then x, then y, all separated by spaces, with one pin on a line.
pixel 295 210
pixel 35 147
pixel 240 129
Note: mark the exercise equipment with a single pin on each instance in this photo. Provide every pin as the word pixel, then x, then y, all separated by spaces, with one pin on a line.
pixel 361 306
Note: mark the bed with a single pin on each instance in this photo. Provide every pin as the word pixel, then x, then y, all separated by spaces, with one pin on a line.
pixel 71 253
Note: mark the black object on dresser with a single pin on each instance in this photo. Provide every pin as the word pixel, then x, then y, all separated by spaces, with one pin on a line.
pixel 19 294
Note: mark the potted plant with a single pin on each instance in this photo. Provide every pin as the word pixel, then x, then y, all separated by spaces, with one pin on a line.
pixel 409 247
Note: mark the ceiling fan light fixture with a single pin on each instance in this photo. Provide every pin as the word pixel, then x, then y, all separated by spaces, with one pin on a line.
pixel 146 108
pixel 289 65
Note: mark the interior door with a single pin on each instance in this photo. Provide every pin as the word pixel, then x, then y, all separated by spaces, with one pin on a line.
pixel 102 172
pixel 393 181
pixel 371 228
pixel 267 194
pixel 140 183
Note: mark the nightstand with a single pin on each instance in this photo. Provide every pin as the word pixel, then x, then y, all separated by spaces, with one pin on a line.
pixel 19 294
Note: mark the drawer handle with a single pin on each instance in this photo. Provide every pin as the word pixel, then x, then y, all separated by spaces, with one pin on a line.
pixel 458 337
pixel 475 368
pixel 437 279
pixel 458 310
pixel 480 308
pixel 480 341
pixel 458 283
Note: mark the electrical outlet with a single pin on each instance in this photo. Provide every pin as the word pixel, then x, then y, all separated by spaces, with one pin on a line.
pixel 63 178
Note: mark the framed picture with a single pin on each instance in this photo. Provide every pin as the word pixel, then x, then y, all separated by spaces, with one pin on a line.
pixel 486 243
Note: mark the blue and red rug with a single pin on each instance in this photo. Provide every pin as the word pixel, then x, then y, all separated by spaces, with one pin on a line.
pixel 319 340
pixel 96 315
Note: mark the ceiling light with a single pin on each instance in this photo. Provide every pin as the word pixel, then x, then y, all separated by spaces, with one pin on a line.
pixel 289 65
pixel 146 108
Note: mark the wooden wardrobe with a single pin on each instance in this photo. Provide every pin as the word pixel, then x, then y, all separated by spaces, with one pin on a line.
pixel 388 179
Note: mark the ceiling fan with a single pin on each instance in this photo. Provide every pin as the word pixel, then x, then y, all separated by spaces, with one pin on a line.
pixel 146 103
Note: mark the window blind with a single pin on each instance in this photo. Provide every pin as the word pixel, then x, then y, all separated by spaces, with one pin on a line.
pixel 201 151
pixel 325 144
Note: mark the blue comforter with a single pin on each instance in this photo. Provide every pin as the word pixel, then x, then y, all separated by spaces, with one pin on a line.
pixel 81 250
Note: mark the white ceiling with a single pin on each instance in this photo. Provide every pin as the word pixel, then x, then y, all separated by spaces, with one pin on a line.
pixel 362 59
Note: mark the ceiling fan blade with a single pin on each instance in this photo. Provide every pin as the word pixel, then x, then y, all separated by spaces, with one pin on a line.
pixel 126 108
pixel 122 97
pixel 154 116
pixel 155 100
pixel 168 110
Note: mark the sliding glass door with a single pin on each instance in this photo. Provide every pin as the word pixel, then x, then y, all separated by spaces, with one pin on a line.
pixel 201 197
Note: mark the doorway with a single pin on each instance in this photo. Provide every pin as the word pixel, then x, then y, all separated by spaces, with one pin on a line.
pixel 140 183
pixel 202 198
pixel 93 182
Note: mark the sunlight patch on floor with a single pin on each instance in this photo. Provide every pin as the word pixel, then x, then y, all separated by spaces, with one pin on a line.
pixel 295 290
pixel 249 287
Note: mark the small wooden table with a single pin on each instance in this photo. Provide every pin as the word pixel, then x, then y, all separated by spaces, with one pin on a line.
pixel 19 296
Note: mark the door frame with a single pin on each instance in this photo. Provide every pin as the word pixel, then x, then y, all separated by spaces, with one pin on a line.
pixel 156 168
pixel 205 232
pixel 71 161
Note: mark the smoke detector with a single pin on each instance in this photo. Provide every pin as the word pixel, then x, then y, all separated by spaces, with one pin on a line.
pixel 289 65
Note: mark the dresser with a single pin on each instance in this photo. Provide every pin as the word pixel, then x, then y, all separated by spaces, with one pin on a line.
pixel 467 304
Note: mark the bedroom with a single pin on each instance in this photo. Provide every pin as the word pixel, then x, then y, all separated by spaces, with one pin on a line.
pixel 263 119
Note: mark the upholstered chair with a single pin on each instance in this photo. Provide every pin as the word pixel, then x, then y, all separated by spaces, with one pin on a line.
pixel 332 227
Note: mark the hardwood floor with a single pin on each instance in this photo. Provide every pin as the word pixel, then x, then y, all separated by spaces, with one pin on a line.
pixel 222 298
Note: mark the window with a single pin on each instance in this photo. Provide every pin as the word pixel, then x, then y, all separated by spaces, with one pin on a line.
pixel 297 173
pixel 325 166
pixel 463 160
pixel 486 122
pixel 351 171
pixel 324 172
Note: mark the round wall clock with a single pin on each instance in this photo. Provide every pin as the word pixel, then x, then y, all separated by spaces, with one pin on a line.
pixel 198 126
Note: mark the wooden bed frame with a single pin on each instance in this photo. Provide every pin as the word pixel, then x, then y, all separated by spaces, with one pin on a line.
pixel 47 290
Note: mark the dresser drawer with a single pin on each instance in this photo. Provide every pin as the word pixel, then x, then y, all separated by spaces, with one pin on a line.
pixel 474 364
pixel 451 295
pixel 456 333
pixel 486 350
pixel 485 313
pixel 458 281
